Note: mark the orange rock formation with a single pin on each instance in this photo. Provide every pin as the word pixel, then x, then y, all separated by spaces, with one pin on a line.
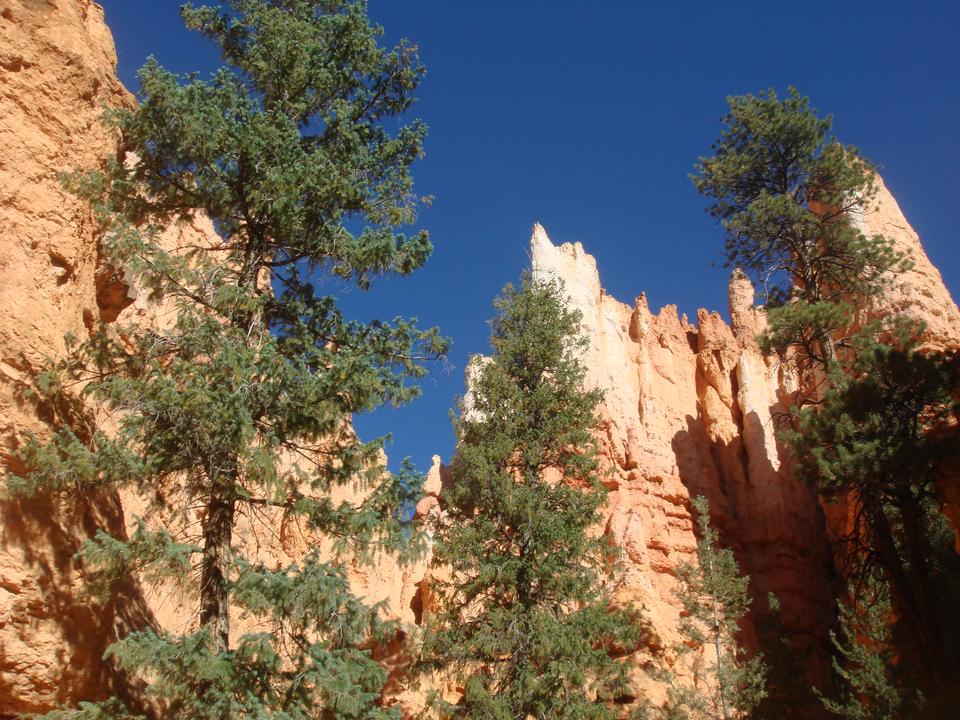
pixel 57 70
pixel 690 408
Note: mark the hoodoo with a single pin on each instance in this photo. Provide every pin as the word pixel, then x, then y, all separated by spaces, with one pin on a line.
pixel 690 408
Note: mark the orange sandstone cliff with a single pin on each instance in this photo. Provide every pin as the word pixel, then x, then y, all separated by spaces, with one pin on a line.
pixel 690 408
pixel 57 74
pixel 57 69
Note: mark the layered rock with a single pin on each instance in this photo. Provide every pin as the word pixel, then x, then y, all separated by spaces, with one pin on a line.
pixel 690 409
pixel 57 71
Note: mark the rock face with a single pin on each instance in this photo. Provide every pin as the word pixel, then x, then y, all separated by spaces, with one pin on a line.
pixel 693 410
pixel 918 293
pixel 57 70
pixel 690 408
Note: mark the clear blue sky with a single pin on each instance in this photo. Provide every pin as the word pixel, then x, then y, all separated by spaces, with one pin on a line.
pixel 588 117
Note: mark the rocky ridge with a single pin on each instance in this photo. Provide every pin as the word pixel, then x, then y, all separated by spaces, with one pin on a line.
pixel 690 408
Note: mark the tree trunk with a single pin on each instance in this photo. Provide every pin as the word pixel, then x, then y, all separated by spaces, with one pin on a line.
pixel 905 599
pixel 924 593
pixel 718 646
pixel 217 536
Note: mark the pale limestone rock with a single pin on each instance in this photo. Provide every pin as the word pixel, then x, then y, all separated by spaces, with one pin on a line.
pixel 688 409
pixel 437 478
pixel 919 292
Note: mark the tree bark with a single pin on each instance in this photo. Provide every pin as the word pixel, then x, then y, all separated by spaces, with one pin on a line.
pixel 214 588
pixel 905 600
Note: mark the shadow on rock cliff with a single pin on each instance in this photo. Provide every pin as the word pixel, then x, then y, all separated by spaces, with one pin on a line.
pixel 774 525
pixel 65 630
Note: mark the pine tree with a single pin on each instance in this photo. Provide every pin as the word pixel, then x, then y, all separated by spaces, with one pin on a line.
pixel 786 193
pixel 523 620
pixel 726 683
pixel 878 442
pixel 242 404
pixel 864 661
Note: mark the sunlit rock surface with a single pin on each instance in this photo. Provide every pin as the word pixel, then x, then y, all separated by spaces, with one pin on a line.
pixel 690 407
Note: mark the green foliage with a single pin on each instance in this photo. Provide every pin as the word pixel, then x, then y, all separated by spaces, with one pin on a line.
pixel 871 432
pixel 788 663
pixel 880 440
pixel 307 663
pixel 152 555
pixel 111 709
pixel 523 620
pixel 865 662
pixel 238 402
pixel 786 193
pixel 726 684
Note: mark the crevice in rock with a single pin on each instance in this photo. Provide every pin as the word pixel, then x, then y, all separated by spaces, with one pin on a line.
pixel 114 293
pixel 63 268
pixel 15 64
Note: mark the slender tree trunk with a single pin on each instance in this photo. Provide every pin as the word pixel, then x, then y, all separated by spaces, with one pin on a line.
pixel 521 650
pixel 217 536
pixel 718 646
pixel 905 599
pixel 923 591
pixel 829 353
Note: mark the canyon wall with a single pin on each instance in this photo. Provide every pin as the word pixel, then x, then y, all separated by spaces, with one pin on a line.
pixel 693 409
pixel 690 408
pixel 57 70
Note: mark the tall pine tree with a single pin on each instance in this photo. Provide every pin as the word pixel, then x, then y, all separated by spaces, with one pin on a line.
pixel 523 620
pixel 241 404
pixel 727 685
pixel 786 193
